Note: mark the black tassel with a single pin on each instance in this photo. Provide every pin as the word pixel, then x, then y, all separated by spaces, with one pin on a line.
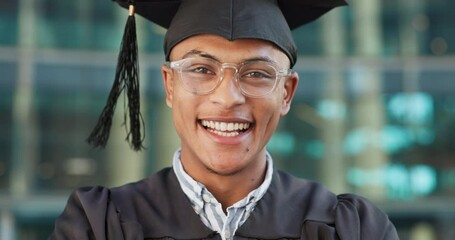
pixel 126 76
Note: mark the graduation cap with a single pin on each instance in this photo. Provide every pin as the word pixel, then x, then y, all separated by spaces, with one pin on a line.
pixel 269 20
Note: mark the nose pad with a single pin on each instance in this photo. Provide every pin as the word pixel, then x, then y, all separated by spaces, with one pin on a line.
pixel 234 75
pixel 228 93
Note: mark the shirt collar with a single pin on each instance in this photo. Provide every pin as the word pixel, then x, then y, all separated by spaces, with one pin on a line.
pixel 194 190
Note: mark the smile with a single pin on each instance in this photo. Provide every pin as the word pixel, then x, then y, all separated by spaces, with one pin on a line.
pixel 225 129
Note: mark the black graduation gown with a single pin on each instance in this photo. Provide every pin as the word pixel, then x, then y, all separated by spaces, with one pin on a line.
pixel 157 208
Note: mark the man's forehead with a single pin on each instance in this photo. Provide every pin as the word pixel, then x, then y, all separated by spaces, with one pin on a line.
pixel 218 48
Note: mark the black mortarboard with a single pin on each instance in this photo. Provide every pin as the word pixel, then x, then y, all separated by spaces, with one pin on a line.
pixel 270 20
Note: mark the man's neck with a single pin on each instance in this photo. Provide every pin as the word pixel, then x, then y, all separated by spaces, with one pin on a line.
pixel 229 189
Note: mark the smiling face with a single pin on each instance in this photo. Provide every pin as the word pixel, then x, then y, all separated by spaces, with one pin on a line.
pixel 224 132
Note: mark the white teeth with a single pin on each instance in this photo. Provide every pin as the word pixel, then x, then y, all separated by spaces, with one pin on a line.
pixel 223 126
pixel 226 129
pixel 224 134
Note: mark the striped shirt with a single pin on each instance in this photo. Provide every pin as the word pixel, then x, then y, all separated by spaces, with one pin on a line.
pixel 210 210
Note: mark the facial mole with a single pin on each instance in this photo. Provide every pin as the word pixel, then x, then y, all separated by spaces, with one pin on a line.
pixel 247 149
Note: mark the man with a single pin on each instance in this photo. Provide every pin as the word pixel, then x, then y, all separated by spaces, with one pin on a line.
pixel 228 82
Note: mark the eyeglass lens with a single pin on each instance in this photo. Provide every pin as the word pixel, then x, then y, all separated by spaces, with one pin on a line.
pixel 201 76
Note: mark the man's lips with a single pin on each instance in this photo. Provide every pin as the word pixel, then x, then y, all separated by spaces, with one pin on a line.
pixel 225 129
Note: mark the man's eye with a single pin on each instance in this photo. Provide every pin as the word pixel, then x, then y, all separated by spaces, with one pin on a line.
pixel 202 70
pixel 256 75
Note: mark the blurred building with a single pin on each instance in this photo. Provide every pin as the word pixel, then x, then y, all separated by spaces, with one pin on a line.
pixel 374 112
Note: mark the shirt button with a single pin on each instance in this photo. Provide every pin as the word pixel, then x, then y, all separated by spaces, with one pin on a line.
pixel 227 235
pixel 206 198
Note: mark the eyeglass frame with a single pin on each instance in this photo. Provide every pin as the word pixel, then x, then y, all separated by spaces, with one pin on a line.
pixel 280 73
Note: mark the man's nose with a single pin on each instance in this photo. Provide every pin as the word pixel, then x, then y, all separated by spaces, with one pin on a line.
pixel 228 93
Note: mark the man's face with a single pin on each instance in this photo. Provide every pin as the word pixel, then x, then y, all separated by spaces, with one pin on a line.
pixel 203 121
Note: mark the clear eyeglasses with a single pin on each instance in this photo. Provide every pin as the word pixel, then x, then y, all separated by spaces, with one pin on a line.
pixel 203 75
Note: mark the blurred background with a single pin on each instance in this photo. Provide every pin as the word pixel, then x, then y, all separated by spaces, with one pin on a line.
pixel 374 113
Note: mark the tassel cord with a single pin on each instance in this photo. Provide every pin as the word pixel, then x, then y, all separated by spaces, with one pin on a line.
pixel 126 76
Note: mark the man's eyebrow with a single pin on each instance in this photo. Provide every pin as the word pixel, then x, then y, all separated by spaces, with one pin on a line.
pixel 260 58
pixel 200 54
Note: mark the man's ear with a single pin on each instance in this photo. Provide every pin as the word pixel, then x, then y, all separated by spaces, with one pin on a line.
pixel 168 82
pixel 290 86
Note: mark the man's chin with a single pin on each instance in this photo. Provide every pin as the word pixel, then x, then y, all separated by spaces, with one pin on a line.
pixel 225 172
